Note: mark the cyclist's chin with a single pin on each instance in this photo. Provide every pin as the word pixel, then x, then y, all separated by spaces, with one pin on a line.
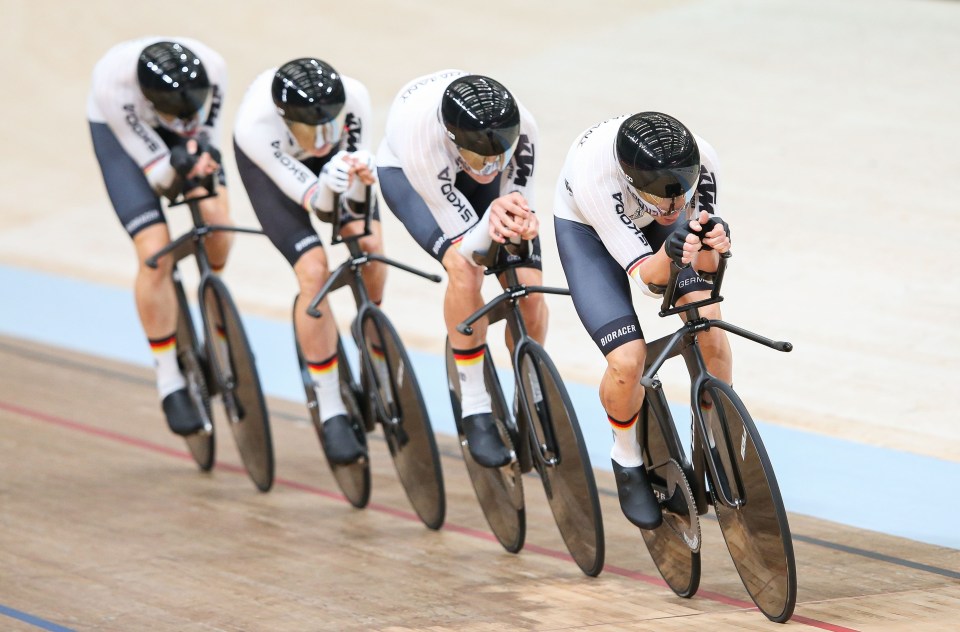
pixel 320 152
pixel 665 220
pixel 482 179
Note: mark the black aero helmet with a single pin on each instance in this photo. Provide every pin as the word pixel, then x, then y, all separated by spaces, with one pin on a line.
pixel 480 115
pixel 307 90
pixel 173 79
pixel 658 155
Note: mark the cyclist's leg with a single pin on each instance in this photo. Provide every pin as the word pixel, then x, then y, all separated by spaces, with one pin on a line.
pixel 533 307
pixel 289 228
pixel 713 343
pixel 374 274
pixel 139 211
pixel 461 299
pixel 217 211
pixel 602 297
pixel 374 277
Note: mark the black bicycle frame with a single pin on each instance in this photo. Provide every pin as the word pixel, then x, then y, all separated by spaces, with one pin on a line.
pixel 506 307
pixel 350 273
pixel 684 342
pixel 191 242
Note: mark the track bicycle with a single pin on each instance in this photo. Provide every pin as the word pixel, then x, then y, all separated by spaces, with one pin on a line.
pixel 387 391
pixel 728 460
pixel 541 428
pixel 222 361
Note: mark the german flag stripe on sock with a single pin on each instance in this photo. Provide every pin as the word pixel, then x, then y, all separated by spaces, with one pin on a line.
pixel 323 367
pixel 377 351
pixel 162 345
pixel 468 356
pixel 623 425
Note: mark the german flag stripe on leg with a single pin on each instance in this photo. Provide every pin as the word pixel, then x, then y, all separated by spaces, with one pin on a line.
pixel 468 356
pixel 162 345
pixel 323 367
pixel 623 425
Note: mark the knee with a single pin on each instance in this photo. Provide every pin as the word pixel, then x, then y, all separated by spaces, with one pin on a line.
pixel 312 271
pixel 216 210
pixel 714 343
pixel 533 308
pixel 462 277
pixel 156 277
pixel 372 243
pixel 625 366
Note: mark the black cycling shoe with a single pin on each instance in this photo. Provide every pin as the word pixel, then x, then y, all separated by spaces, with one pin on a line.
pixel 483 441
pixel 182 415
pixel 340 442
pixel 637 501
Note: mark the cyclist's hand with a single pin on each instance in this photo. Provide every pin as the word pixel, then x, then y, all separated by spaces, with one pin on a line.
pixel 363 167
pixel 531 226
pixel 193 161
pixel 682 244
pixel 335 175
pixel 717 236
pixel 511 217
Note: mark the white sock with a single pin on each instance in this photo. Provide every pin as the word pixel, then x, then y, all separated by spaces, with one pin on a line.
pixel 326 379
pixel 169 376
pixel 626 449
pixel 474 398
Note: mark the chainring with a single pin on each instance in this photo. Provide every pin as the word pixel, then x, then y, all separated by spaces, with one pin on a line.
pixel 679 513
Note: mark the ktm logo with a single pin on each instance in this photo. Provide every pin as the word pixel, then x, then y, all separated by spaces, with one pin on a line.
pixel 524 159
pixel 707 191
pixel 353 127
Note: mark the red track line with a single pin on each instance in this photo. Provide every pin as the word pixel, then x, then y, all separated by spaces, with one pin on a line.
pixel 398 513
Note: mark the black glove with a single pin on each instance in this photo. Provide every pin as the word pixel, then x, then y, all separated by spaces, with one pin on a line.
pixel 205 146
pixel 674 243
pixel 183 161
pixel 706 228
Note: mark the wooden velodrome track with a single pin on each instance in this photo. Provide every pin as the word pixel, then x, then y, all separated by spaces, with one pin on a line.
pixel 833 119
pixel 107 525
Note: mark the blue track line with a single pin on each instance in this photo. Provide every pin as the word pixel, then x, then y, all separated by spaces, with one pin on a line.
pixel 32 620
pixel 820 476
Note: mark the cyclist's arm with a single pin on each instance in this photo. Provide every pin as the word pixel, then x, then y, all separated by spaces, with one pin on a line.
pixel 125 111
pixel 264 142
pixel 707 200
pixel 600 203
pixel 357 138
pixel 217 73
pixel 432 174
pixel 518 177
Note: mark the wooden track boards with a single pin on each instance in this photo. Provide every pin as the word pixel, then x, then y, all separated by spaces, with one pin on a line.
pixel 106 524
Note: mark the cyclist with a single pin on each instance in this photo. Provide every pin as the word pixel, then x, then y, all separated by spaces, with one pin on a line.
pixel 633 195
pixel 301 136
pixel 457 156
pixel 153 112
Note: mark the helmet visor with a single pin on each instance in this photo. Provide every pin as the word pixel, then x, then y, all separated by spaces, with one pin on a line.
pixel 313 137
pixel 664 206
pixel 480 165
pixel 186 124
